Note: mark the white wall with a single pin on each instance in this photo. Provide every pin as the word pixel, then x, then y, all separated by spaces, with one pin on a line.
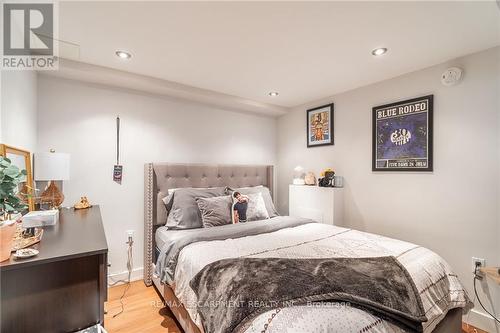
pixel 18 114
pixel 453 210
pixel 79 119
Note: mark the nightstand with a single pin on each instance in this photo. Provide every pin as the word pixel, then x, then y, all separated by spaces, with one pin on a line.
pixel 322 204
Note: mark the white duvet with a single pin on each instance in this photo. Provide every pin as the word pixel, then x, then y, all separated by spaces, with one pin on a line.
pixel 439 287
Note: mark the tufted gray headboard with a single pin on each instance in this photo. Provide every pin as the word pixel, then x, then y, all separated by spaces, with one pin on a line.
pixel 159 177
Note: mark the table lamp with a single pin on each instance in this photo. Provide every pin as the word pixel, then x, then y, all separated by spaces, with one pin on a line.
pixel 299 176
pixel 52 167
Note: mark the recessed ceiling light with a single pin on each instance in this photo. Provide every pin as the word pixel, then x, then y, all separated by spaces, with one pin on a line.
pixel 273 94
pixel 379 51
pixel 123 55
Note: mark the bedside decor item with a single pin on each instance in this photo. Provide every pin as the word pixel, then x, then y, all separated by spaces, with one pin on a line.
pixel 24 239
pixel 25 253
pixel 22 160
pixel 83 203
pixel 338 181
pixel 310 178
pixel 298 175
pixel 328 179
pixel 402 135
pixel 52 167
pixel 41 218
pixel 320 126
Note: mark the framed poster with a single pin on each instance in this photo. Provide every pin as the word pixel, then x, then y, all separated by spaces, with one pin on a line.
pixel 320 126
pixel 402 135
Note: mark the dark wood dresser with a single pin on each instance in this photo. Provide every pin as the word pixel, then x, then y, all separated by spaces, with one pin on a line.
pixel 64 287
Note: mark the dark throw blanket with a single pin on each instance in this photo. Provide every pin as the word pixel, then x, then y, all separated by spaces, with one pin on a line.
pixel 231 292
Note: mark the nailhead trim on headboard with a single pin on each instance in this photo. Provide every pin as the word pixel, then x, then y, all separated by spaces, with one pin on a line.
pixel 148 224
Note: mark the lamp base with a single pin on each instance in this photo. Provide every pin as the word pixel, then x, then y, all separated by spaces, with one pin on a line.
pixel 52 195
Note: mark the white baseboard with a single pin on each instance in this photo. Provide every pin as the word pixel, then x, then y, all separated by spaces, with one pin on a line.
pixel 482 320
pixel 137 274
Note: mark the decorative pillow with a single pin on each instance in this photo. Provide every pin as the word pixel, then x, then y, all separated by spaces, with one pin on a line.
pixel 256 207
pixel 215 211
pixel 266 196
pixel 239 207
pixel 184 213
pixel 249 207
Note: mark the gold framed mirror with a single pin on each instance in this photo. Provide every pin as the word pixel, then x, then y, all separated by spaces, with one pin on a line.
pixel 22 159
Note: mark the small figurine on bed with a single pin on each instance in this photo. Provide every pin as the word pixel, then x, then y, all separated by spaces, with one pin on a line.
pixel 240 205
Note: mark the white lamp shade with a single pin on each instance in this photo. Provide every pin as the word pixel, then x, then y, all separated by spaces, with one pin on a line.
pixel 51 166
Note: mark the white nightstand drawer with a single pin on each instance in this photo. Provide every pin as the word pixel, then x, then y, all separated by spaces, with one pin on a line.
pixel 322 204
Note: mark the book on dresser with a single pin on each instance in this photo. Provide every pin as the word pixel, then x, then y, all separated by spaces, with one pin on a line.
pixel 322 204
pixel 64 287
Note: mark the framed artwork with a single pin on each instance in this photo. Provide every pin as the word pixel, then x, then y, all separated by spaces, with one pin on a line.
pixel 320 126
pixel 402 135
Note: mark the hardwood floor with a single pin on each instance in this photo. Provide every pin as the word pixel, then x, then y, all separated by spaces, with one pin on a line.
pixel 471 329
pixel 144 312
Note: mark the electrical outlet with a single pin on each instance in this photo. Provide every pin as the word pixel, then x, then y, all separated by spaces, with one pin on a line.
pixel 130 237
pixel 481 261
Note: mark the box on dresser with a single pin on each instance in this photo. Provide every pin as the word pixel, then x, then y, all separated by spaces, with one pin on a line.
pixel 40 218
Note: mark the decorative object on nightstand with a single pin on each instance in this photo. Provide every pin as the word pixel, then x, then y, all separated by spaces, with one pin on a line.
pixel 298 175
pixel 338 181
pixel 328 177
pixel 310 178
pixel 52 167
pixel 322 204
pixel 83 203
pixel 26 237
pixel 25 253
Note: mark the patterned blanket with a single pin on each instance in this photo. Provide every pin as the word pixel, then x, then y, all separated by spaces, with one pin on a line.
pixel 233 291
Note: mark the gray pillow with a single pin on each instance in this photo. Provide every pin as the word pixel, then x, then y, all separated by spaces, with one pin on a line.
pixel 169 199
pixel 266 196
pixel 256 207
pixel 184 213
pixel 215 211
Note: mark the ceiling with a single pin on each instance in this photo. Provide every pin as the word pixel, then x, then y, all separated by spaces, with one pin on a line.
pixel 303 50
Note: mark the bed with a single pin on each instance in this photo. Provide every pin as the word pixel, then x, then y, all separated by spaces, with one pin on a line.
pixel 174 260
